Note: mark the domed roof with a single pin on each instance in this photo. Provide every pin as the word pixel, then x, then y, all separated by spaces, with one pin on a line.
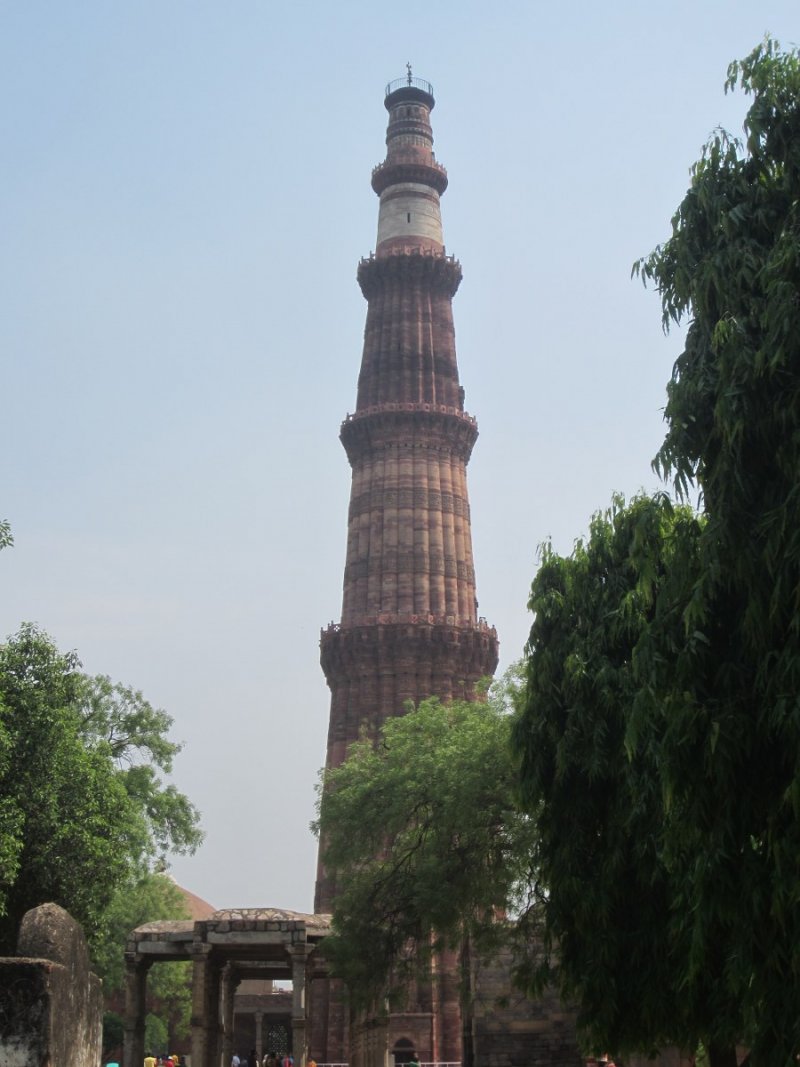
pixel 197 907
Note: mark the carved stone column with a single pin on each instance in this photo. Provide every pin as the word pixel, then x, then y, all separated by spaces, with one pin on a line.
pixel 135 1009
pixel 259 1040
pixel 205 1008
pixel 229 983
pixel 299 955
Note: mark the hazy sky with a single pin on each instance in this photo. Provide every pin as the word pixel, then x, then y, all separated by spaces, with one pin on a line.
pixel 185 198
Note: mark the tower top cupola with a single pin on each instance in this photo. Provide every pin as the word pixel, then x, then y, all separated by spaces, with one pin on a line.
pixel 409 182
pixel 402 90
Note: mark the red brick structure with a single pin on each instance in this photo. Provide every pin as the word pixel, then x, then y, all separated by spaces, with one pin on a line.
pixel 410 627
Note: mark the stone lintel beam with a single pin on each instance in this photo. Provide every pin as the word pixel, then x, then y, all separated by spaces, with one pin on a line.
pixel 249 937
pixel 164 950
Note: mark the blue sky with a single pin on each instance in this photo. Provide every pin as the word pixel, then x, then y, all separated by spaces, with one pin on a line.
pixel 185 198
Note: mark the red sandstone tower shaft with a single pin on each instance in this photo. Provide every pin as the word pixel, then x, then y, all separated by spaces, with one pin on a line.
pixel 410 627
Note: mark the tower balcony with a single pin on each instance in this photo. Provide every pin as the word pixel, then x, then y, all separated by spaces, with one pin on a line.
pixel 454 622
pixel 394 173
pixel 437 427
pixel 403 265
pixel 409 657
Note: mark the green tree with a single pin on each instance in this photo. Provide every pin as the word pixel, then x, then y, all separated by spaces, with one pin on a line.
pixel 428 805
pixel 591 735
pixel 701 719
pixel 74 829
pixel 156 1034
pixel 81 811
pixel 145 898
pixel 732 267
pixel 136 736
pixel 113 1033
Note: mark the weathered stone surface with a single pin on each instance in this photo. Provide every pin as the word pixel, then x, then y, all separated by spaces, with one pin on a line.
pixel 50 1002
pixel 510 1030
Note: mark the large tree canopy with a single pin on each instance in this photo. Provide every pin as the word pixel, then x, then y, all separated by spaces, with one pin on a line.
pixel 591 738
pixel 732 266
pixel 75 828
pixel 693 702
pixel 82 810
pixel 422 836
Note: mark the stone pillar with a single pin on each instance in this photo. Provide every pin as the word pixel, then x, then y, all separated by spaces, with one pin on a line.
pixel 229 983
pixel 299 955
pixel 205 1008
pixel 135 988
pixel 259 1039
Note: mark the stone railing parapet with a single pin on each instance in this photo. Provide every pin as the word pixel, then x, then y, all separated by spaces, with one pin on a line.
pixel 384 164
pixel 418 250
pixel 441 409
pixel 406 618
pixel 393 171
pixel 414 263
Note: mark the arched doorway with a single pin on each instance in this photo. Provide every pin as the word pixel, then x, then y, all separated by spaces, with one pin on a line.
pixel 403 1050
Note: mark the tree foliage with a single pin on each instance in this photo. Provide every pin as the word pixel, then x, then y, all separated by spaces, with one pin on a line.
pixel 145 898
pixel 732 266
pixel 113 1032
pixel 421 835
pixel 156 1034
pixel 78 820
pixel 136 737
pixel 591 736
pixel 74 829
pixel 668 650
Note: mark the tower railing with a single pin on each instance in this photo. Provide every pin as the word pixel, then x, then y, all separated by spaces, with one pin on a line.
pixel 407 250
pixel 389 164
pixel 411 405
pixel 408 81
pixel 404 618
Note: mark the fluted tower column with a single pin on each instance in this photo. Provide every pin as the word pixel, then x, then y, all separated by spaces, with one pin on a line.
pixel 410 627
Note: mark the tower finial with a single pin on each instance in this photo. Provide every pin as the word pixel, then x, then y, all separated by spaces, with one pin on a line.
pixel 408 68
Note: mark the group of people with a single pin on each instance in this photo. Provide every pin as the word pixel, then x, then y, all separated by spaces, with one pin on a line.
pixel 171 1060
pixel 270 1059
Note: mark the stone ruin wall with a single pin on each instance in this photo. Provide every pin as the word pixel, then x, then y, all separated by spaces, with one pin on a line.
pixel 51 1004
pixel 511 1030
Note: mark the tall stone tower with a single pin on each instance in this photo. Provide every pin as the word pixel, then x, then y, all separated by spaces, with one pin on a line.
pixel 410 627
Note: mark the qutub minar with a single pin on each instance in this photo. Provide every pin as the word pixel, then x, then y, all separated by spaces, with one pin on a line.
pixel 410 627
